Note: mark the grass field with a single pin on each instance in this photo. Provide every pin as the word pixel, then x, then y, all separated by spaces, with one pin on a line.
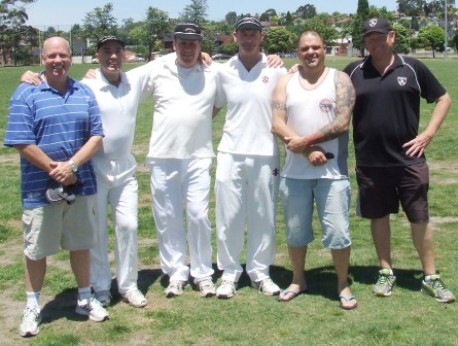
pixel 406 318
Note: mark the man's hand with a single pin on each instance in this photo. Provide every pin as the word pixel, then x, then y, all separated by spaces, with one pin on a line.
pixel 273 60
pixel 62 173
pixel 316 155
pixel 205 59
pixel 294 68
pixel 91 74
pixel 417 146
pixel 30 77
pixel 295 144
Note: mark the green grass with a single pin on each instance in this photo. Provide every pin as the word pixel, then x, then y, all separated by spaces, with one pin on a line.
pixel 407 318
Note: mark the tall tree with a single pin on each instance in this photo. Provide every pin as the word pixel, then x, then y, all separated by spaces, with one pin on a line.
pixel 196 12
pixel 13 17
pixel 155 26
pixel 100 22
pixel 362 14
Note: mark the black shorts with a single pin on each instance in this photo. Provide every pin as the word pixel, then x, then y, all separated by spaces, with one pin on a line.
pixel 380 189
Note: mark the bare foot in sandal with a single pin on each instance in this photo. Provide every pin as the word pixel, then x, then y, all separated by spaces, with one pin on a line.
pixel 291 292
pixel 347 299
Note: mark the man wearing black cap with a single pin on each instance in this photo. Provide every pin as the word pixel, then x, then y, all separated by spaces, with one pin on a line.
pixel 118 95
pixel 180 156
pixel 247 170
pixel 390 163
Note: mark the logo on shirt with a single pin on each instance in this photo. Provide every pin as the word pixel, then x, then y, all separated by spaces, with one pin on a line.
pixel 402 81
pixel 265 79
pixel 326 105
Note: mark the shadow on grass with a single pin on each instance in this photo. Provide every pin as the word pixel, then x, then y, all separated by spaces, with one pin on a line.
pixel 323 280
pixel 64 303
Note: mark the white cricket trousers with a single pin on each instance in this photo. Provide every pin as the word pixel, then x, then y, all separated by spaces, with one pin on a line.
pixel 179 186
pixel 246 189
pixel 116 186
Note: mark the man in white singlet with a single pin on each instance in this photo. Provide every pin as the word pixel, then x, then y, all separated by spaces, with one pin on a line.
pixel 311 115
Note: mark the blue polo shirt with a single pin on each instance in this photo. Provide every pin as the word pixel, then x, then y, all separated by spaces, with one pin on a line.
pixel 59 125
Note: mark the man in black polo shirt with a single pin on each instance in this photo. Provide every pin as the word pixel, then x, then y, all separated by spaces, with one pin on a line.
pixel 390 161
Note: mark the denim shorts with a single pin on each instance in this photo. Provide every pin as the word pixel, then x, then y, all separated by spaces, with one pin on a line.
pixel 332 200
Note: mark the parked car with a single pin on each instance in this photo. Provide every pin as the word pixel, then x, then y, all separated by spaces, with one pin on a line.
pixel 221 56
pixel 136 58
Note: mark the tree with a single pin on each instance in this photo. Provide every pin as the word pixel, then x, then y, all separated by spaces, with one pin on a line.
pixel 412 8
pixel 306 11
pixel 231 18
pixel 12 26
pixel 432 36
pixel 320 25
pixel 196 12
pixel 402 39
pixel 100 22
pixel 362 15
pixel 268 15
pixel 288 18
pixel 279 40
pixel 455 40
pixel 155 26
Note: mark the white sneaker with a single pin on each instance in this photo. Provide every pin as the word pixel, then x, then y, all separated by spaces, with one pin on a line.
pixel 31 320
pixel 135 298
pixel 104 297
pixel 267 287
pixel 175 288
pixel 207 288
pixel 91 308
pixel 226 289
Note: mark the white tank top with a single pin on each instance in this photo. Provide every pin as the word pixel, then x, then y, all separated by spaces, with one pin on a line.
pixel 309 110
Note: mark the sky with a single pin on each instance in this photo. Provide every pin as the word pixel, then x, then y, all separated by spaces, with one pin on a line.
pixel 63 14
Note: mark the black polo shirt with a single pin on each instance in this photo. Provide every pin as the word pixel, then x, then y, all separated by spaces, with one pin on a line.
pixel 387 109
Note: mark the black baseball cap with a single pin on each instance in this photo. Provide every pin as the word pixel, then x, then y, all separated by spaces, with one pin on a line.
pixel 109 38
pixel 380 25
pixel 248 23
pixel 188 31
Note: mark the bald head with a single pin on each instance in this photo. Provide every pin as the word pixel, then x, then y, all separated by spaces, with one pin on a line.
pixel 55 42
pixel 57 60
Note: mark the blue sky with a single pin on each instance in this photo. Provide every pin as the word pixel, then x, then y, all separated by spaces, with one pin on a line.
pixel 63 14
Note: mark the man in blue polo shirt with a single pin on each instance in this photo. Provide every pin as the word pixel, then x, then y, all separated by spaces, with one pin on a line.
pixel 390 164
pixel 56 128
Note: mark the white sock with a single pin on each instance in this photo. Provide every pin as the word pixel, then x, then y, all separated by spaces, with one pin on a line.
pixel 84 293
pixel 33 299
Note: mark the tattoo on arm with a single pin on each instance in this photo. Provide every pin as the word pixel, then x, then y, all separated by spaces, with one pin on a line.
pixel 277 105
pixel 345 100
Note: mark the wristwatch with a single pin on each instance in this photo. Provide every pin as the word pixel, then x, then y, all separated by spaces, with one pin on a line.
pixel 73 165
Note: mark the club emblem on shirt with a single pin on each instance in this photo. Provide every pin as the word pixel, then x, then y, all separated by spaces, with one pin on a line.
pixel 265 79
pixel 326 105
pixel 402 81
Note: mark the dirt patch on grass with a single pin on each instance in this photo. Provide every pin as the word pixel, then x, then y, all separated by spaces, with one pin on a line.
pixel 12 158
pixel 444 172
